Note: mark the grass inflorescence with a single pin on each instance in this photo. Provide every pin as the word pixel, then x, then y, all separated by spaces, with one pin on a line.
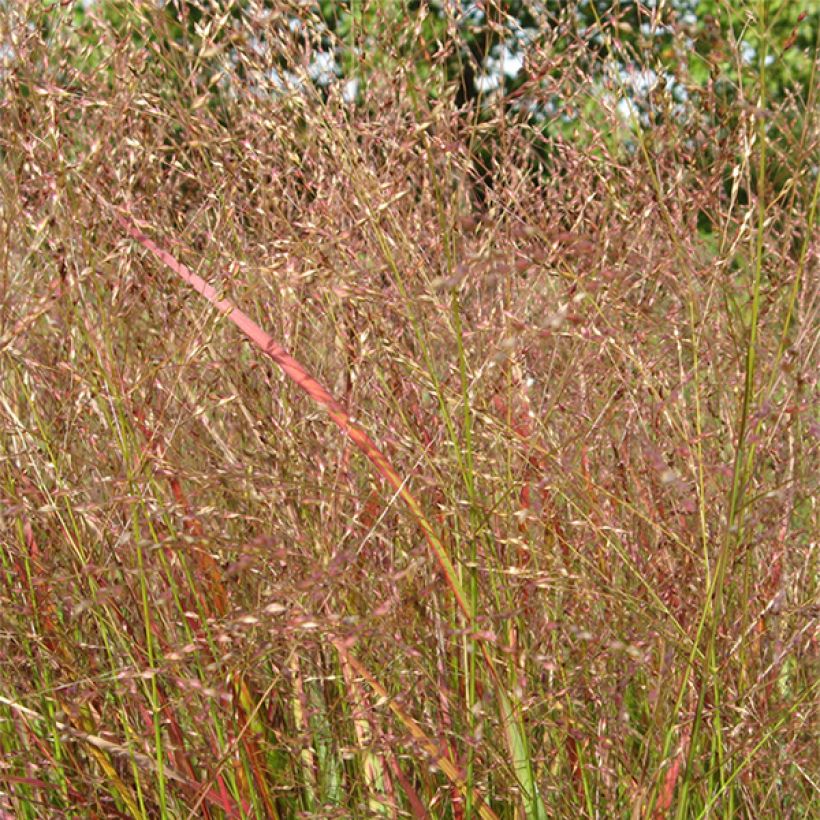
pixel 366 451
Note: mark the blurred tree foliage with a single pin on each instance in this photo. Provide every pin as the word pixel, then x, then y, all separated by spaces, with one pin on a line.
pixel 504 53
pixel 649 58
pixel 459 44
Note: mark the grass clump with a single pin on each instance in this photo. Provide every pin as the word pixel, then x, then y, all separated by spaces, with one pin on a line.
pixel 373 448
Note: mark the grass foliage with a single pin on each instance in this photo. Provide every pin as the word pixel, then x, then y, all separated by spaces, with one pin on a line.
pixel 396 457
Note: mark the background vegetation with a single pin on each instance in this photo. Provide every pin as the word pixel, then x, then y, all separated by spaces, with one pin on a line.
pixel 557 266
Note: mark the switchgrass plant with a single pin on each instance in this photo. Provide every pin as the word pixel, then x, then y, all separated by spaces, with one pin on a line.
pixel 370 452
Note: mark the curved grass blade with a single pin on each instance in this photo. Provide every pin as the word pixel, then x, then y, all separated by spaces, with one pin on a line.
pixel 297 373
